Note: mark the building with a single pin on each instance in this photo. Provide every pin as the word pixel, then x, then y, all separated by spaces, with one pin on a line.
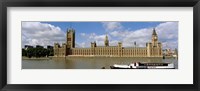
pixel 152 49
pixel 170 53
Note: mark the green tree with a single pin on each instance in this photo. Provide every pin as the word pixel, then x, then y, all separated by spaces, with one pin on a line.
pixel 24 53
pixel 37 52
pixel 30 52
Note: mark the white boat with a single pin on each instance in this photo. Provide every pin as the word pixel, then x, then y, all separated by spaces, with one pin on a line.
pixel 139 65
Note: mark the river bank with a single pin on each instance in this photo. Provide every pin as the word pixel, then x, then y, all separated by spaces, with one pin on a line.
pixel 66 57
pixel 36 58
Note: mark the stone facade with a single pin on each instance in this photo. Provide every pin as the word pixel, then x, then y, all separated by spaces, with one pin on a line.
pixel 152 49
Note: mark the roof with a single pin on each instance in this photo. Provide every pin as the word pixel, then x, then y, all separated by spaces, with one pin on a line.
pixel 154 32
pixel 107 46
pixel 134 47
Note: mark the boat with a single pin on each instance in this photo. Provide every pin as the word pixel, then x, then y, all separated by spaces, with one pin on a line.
pixel 144 65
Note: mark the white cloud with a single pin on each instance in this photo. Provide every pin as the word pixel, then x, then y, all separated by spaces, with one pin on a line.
pixel 167 34
pixel 82 34
pixel 168 31
pixel 113 42
pixel 99 39
pixel 83 45
pixel 37 33
pixel 170 44
pixel 110 26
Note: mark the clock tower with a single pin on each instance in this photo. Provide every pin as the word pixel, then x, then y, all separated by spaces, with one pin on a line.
pixel 106 41
pixel 154 38
pixel 154 48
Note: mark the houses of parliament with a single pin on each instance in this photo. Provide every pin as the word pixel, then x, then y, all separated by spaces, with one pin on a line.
pixel 152 49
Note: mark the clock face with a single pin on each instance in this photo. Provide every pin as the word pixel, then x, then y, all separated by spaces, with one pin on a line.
pixel 155 37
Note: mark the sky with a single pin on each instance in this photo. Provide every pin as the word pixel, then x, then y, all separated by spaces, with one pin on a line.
pixel 48 33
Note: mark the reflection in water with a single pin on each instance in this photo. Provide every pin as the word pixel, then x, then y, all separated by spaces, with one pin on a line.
pixel 87 62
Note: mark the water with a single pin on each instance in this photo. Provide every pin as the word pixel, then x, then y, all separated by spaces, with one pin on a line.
pixel 86 62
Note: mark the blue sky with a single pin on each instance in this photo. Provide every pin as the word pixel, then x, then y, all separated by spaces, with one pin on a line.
pixel 98 28
pixel 47 33
pixel 89 27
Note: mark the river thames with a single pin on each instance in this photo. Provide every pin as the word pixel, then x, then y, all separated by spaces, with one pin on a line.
pixel 87 62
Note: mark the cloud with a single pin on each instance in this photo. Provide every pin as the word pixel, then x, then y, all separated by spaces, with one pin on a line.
pixel 167 35
pixel 170 44
pixel 141 37
pixel 110 26
pixel 82 34
pixel 168 31
pixel 88 38
pixel 99 39
pixel 37 33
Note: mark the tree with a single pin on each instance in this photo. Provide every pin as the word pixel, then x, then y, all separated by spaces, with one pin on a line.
pixel 37 52
pixel 30 52
pixel 24 53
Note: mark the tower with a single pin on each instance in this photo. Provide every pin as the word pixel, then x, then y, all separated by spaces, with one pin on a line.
pixel 106 42
pixel 119 49
pixel 70 38
pixel 154 38
pixel 93 45
pixel 154 49
pixel 56 49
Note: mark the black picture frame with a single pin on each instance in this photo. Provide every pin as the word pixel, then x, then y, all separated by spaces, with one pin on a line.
pixel 99 3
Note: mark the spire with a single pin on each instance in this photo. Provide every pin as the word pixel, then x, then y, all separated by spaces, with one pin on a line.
pixel 154 32
pixel 135 43
pixel 106 41
pixel 106 37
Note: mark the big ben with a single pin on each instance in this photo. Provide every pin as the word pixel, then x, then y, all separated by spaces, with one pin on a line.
pixel 154 38
pixel 156 48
